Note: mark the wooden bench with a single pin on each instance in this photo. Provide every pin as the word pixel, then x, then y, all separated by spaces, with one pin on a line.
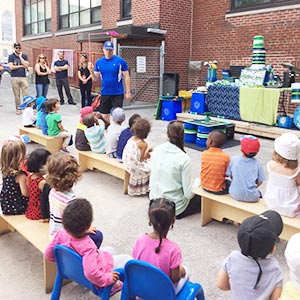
pixel 218 207
pixel 89 160
pixel 38 235
pixel 52 144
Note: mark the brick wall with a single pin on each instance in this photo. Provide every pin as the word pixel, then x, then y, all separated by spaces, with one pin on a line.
pixel 175 17
pixel 229 39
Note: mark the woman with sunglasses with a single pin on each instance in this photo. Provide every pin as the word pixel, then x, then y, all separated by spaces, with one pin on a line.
pixel 42 71
pixel 85 81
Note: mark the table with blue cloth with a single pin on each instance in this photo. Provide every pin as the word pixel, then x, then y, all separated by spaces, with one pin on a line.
pixel 251 104
pixel 224 100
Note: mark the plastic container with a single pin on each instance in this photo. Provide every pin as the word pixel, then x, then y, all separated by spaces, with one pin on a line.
pixel 202 135
pixel 190 132
pixel 198 105
pixel 285 121
pixel 170 108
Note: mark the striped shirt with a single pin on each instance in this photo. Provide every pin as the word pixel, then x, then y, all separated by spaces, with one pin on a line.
pixel 214 163
pixel 96 138
pixel 57 204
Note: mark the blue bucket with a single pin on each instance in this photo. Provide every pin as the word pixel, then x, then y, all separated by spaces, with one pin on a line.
pixel 202 135
pixel 190 132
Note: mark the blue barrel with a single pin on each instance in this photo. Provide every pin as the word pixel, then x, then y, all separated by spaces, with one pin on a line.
pixel 202 135
pixel 190 132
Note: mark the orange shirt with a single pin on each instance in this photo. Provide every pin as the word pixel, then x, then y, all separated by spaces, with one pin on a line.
pixel 214 163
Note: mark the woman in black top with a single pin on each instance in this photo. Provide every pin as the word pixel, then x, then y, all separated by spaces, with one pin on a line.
pixel 42 71
pixel 85 81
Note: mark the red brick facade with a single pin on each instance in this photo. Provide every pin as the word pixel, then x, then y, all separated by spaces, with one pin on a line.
pixel 197 30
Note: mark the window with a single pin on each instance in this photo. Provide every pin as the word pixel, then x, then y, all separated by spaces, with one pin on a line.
pixel 75 13
pixel 7 26
pixel 256 4
pixel 125 9
pixel 37 16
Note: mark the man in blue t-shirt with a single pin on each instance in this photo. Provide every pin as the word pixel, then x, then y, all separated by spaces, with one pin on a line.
pixel 18 64
pixel 112 69
pixel 61 67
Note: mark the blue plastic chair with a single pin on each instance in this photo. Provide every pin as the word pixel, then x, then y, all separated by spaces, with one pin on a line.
pixel 69 266
pixel 147 282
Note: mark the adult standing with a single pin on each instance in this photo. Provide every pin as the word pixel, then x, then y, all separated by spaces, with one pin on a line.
pixel 171 173
pixel 61 67
pixel 85 81
pixel 112 70
pixel 18 64
pixel 42 71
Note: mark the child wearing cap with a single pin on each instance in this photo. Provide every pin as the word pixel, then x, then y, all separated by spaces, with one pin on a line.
pixel 291 291
pixel 214 163
pixel 113 132
pixel 252 273
pixel 282 190
pixel 81 142
pixel 28 115
pixel 246 172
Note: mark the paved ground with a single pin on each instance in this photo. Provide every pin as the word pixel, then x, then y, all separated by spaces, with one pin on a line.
pixel 120 217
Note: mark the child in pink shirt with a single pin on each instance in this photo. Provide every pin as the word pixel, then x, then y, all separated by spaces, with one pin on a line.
pixel 156 249
pixel 98 265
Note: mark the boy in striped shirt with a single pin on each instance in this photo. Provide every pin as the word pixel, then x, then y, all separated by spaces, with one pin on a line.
pixel 94 132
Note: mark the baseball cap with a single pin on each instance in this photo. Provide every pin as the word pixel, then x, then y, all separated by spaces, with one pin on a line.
pixel 257 235
pixel 250 144
pixel 108 45
pixel 118 114
pixel 287 146
pixel 85 111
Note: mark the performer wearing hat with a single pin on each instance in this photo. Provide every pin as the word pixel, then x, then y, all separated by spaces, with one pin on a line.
pixel 112 70
pixel 18 64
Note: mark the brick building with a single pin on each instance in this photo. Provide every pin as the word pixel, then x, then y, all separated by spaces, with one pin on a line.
pixel 179 31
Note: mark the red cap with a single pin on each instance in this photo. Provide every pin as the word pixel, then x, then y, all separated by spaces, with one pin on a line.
pixel 250 144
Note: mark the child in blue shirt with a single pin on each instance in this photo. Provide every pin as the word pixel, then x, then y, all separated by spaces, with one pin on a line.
pixel 246 172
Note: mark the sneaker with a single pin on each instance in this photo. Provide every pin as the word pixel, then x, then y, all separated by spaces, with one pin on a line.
pixel 62 150
pixel 62 102
pixel 116 287
pixel 72 103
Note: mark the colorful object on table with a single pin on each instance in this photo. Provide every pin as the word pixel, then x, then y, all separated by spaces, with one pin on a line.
pixel 295 92
pixel 258 52
pixel 211 71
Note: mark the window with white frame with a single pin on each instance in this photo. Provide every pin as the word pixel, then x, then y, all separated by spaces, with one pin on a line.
pixel 75 13
pixel 126 9
pixel 7 25
pixel 37 16
pixel 257 4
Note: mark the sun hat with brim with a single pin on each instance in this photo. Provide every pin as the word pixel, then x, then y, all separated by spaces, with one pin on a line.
pixel 287 146
pixel 26 100
pixel 39 102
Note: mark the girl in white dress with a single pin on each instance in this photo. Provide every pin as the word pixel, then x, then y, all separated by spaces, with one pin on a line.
pixel 135 158
pixel 282 191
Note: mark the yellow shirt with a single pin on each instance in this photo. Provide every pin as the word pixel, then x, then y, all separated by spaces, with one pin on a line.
pixel 289 292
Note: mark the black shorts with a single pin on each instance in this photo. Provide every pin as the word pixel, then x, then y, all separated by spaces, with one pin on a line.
pixel 110 101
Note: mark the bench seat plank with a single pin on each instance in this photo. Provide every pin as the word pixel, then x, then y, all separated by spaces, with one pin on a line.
pixel 89 160
pixel 52 144
pixel 218 207
pixel 38 235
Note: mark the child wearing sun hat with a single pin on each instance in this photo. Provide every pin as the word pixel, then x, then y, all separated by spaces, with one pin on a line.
pixel 252 272
pixel 282 190
pixel 246 171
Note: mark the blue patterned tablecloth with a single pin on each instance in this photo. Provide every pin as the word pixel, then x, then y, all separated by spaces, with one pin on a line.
pixel 223 100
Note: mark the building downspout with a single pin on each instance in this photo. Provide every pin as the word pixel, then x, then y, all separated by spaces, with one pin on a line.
pixel 191 41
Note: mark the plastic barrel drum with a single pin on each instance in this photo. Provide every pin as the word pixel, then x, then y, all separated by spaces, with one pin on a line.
pixel 295 92
pixel 190 132
pixel 202 134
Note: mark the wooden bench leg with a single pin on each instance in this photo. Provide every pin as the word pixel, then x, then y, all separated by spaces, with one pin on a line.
pixel 49 275
pixel 126 182
pixel 54 145
pixel 205 211
pixel 82 162
pixel 4 227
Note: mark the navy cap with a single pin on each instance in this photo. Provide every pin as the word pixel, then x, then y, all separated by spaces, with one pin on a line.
pixel 108 45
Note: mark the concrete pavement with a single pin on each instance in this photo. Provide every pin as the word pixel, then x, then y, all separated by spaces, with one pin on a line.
pixel 120 217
